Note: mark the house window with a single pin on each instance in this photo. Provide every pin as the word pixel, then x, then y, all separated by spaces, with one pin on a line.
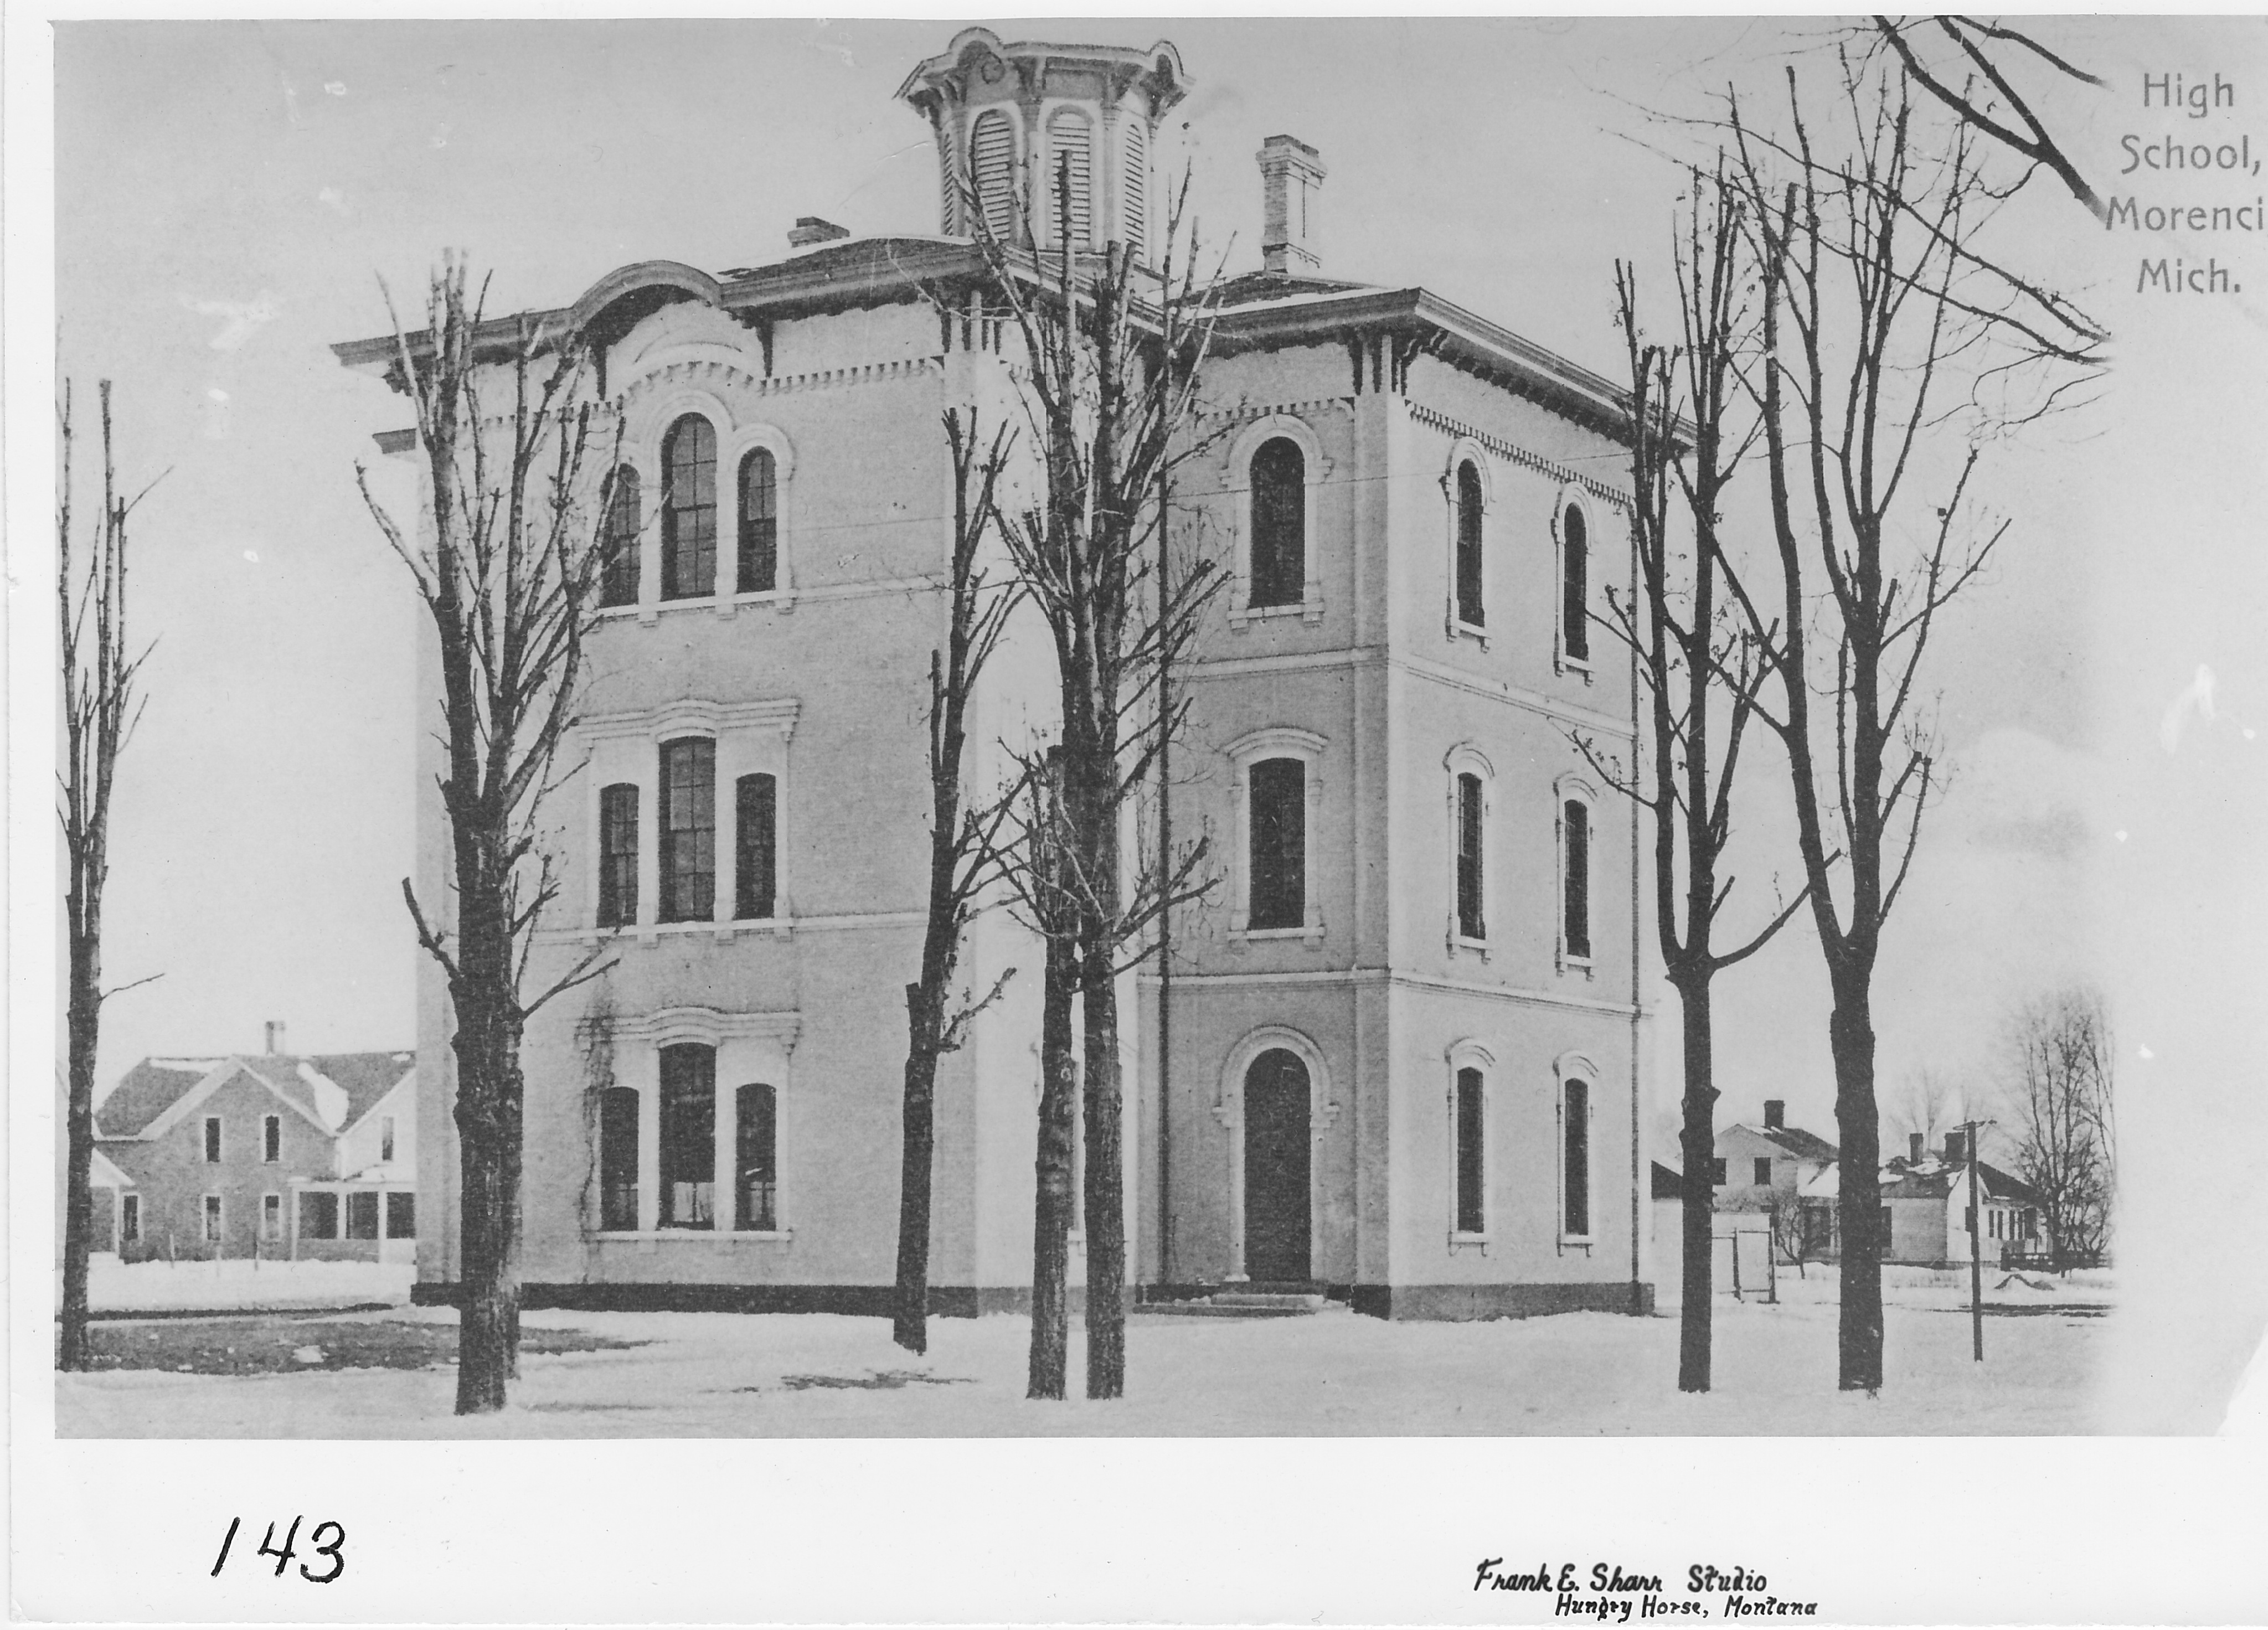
pixel 755 846
pixel 756 1160
pixel 618 569
pixel 319 1214
pixel 993 164
pixel 688 509
pixel 386 1138
pixel 212 1140
pixel 1471 923
pixel 1717 1173
pixel 1279 524
pixel 401 1216
pixel 618 1159
pixel 212 1219
pixel 1575 586
pixel 1763 1171
pixel 1279 844
pixel 1575 1139
pixel 362 1213
pixel 1471 1170
pixel 1575 880
pixel 1469 609
pixel 271 1216
pixel 2031 1223
pixel 758 562
pixel 618 858
pixel 1070 166
pixel 129 1218
pixel 688 1136
pixel 272 1139
pixel 688 829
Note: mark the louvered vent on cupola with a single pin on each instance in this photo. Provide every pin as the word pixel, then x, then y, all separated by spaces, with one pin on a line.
pixel 1135 182
pixel 1071 175
pixel 992 168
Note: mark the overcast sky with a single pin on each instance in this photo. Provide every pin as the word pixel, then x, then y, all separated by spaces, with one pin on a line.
pixel 228 195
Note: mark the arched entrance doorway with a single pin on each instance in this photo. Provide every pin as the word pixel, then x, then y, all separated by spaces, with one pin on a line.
pixel 1276 1221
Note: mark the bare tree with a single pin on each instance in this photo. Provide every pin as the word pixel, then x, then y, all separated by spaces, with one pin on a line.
pixel 507 568
pixel 1113 354
pixel 964 849
pixel 1701 672
pixel 1796 1231
pixel 102 703
pixel 1872 320
pixel 1929 1103
pixel 1970 65
pixel 2058 1098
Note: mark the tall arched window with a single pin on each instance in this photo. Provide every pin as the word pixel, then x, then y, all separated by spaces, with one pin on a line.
pixel 688 830
pixel 1471 921
pixel 1470 608
pixel 688 511
pixel 758 562
pixel 618 854
pixel 1070 173
pixel 1575 878
pixel 1575 586
pixel 1279 524
pixel 755 846
pixel 1575 1148
pixel 688 1136
pixel 1278 844
pixel 1472 1210
pixel 992 170
pixel 618 570
pixel 755 1183
pixel 618 1159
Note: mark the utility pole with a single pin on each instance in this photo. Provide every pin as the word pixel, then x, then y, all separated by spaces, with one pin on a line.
pixel 1976 1249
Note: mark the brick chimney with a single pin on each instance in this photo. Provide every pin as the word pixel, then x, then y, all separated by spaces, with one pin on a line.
pixel 1914 1148
pixel 1775 1114
pixel 1290 174
pixel 274 1037
pixel 1956 1148
pixel 809 230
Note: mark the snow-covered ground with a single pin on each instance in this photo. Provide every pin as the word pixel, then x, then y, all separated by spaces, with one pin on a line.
pixel 114 1285
pixel 1333 1373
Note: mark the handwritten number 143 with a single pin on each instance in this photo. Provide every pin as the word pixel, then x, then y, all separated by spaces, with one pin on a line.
pixel 335 1550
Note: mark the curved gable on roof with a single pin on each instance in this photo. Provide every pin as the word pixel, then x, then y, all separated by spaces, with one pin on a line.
pixel 614 304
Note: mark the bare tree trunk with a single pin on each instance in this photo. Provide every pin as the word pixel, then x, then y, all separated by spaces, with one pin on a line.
pixel 1054 1199
pixel 1105 1179
pixel 84 1020
pixel 1697 1208
pixel 1859 1325
pixel 909 1328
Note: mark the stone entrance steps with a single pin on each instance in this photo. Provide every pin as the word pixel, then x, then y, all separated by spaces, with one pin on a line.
pixel 1246 1304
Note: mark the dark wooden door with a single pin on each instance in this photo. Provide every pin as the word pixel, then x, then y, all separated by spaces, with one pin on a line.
pixel 1276 1218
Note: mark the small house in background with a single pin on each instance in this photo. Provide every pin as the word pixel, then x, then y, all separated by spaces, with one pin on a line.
pixel 270 1155
pixel 1925 1201
pixel 1763 1168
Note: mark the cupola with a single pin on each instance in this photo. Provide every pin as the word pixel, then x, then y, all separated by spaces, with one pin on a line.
pixel 1031 135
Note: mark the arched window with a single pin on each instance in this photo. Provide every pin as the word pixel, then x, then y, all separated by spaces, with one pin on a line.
pixel 1471 920
pixel 1469 609
pixel 755 846
pixel 993 169
pixel 759 561
pixel 1575 586
pixel 688 1136
pixel 688 513
pixel 1472 1210
pixel 1280 523
pixel 1278 844
pixel 1070 174
pixel 756 1185
pixel 618 1159
pixel 1575 1148
pixel 1575 879
pixel 618 854
pixel 618 570
pixel 1135 189
pixel 688 830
